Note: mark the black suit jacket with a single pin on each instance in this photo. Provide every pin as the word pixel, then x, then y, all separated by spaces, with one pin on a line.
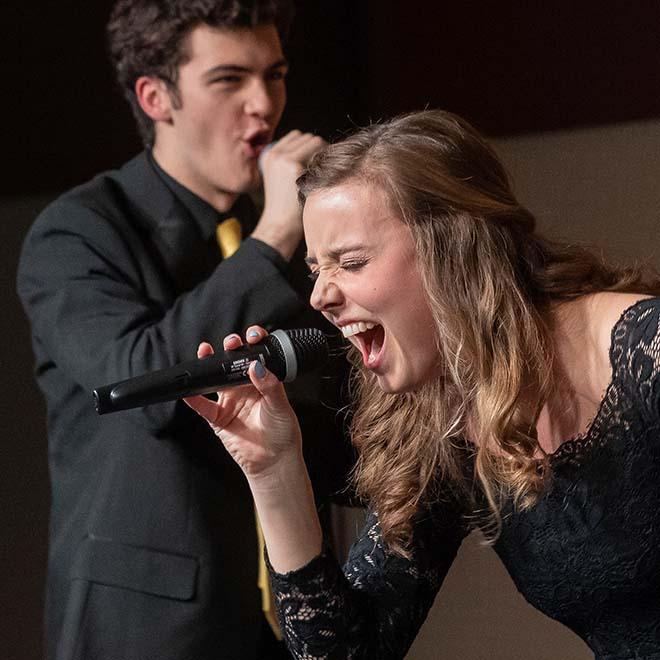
pixel 153 551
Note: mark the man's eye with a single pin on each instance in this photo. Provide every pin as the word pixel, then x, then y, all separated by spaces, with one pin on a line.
pixel 314 275
pixel 227 80
pixel 277 75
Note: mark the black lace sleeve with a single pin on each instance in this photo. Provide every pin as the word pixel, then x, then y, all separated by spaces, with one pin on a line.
pixel 374 608
pixel 639 357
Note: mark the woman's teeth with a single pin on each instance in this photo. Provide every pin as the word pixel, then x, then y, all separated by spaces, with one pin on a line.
pixel 354 328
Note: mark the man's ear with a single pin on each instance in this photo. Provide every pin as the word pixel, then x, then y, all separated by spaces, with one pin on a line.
pixel 154 98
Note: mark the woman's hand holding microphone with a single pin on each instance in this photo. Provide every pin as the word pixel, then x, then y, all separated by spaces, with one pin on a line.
pixel 259 429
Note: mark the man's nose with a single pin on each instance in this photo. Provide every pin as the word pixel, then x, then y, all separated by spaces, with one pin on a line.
pixel 259 100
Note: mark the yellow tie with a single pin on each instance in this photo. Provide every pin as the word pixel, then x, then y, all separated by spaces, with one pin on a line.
pixel 263 580
pixel 228 234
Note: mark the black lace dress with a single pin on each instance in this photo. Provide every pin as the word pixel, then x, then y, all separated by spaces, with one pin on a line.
pixel 587 554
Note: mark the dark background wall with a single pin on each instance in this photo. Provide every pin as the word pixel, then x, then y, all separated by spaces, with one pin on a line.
pixel 512 68
pixel 508 66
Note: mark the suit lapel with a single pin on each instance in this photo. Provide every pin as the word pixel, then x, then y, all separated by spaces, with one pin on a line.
pixel 168 225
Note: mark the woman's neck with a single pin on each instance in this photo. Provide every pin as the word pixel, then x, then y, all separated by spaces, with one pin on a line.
pixel 578 379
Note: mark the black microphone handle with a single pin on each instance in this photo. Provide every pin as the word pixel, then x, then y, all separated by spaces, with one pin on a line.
pixel 285 353
pixel 199 376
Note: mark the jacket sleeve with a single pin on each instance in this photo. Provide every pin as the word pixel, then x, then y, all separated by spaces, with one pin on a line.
pixel 376 605
pixel 91 293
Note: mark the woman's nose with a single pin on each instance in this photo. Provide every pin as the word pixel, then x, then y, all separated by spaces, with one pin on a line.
pixel 325 294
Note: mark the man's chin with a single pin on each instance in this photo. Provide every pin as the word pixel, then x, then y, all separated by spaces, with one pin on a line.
pixel 242 188
pixel 251 183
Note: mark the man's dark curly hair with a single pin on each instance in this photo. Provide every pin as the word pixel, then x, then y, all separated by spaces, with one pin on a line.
pixel 147 38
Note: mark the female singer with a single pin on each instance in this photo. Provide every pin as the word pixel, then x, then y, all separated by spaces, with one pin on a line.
pixel 502 381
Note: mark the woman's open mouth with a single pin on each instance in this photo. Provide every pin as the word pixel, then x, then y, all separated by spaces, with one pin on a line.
pixel 370 341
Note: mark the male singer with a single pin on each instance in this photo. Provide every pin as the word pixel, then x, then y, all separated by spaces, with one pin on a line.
pixel 153 550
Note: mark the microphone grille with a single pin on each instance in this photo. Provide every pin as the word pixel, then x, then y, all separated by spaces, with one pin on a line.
pixel 310 346
pixel 304 349
pixel 260 159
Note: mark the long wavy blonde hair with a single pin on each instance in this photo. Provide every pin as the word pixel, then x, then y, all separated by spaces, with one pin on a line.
pixel 490 279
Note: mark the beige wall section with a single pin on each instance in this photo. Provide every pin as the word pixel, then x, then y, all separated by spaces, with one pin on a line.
pixel 600 185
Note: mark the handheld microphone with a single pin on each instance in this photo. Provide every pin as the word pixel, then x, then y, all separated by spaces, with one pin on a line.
pixel 264 151
pixel 287 353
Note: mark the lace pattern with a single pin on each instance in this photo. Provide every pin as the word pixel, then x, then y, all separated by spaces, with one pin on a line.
pixel 634 356
pixel 376 605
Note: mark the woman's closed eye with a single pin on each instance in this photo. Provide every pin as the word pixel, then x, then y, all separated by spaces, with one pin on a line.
pixel 353 264
pixel 349 265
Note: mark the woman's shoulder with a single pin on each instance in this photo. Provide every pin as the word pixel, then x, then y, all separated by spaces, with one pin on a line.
pixel 591 333
pixel 626 326
pixel 634 346
pixel 612 313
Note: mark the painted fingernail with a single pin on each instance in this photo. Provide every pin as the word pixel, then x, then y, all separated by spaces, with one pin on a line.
pixel 253 333
pixel 259 370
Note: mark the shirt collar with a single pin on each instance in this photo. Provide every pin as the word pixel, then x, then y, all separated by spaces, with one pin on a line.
pixel 204 215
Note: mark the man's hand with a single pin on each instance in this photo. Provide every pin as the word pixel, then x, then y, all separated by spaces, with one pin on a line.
pixel 280 225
